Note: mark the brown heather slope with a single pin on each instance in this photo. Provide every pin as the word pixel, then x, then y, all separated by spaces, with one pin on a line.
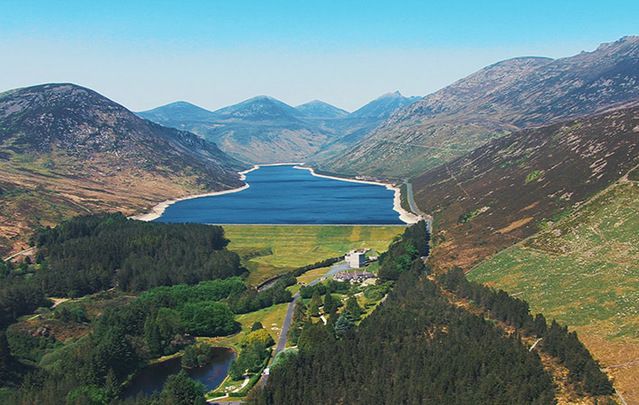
pixel 66 150
pixel 503 192
pixel 511 95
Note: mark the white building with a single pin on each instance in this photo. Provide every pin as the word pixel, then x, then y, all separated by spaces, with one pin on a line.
pixel 356 258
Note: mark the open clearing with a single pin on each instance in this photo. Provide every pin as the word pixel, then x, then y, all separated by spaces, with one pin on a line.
pixel 269 250
pixel 584 271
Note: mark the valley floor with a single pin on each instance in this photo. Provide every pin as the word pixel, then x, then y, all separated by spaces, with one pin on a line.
pixel 271 250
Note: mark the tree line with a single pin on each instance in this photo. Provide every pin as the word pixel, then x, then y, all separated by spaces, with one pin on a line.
pixel 584 371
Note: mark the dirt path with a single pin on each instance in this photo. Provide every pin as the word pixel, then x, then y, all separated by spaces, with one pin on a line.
pixel 25 252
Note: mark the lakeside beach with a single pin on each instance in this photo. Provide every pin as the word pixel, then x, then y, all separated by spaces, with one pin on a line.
pixel 157 211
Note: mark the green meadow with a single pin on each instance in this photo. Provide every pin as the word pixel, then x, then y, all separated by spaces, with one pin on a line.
pixel 269 250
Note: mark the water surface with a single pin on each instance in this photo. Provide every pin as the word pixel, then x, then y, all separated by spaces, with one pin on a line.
pixel 152 378
pixel 285 195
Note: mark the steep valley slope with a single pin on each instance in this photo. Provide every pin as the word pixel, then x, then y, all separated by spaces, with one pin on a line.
pixel 507 96
pixel 66 150
pixel 510 188
pixel 584 271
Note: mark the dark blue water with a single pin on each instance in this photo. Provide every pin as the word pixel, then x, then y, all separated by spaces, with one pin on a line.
pixel 152 378
pixel 285 195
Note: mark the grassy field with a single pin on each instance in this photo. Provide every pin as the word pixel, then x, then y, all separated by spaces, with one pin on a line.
pixel 270 317
pixel 584 271
pixel 271 250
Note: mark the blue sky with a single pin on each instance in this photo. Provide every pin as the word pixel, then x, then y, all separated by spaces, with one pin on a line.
pixel 213 53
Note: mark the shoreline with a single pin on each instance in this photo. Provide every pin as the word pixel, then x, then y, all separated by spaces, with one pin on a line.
pixel 157 211
pixel 404 216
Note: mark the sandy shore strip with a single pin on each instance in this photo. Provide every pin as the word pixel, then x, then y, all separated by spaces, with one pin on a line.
pixel 405 216
pixel 157 211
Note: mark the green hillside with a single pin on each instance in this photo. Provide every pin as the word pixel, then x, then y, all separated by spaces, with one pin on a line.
pixel 584 271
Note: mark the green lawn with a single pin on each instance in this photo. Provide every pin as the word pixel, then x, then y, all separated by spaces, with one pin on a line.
pixel 271 250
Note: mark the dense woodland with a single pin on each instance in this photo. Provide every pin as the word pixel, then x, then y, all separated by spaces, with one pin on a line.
pixel 96 253
pixel 93 253
pixel 159 322
pixel 415 348
pixel 585 372
pixel 402 253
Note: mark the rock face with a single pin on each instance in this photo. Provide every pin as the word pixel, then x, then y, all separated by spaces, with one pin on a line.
pixel 503 191
pixel 501 98
pixel 266 130
pixel 65 149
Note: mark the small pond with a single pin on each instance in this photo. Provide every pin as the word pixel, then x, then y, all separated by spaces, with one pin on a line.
pixel 152 378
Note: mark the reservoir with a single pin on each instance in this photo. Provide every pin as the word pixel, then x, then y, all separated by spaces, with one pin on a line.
pixel 287 195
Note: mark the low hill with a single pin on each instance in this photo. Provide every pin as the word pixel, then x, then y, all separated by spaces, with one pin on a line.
pixel 508 189
pixel 511 95
pixel 65 150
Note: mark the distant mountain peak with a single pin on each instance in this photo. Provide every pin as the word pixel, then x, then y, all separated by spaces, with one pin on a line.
pixel 313 102
pixel 176 113
pixel 385 105
pixel 259 108
pixel 321 109
pixel 391 94
pixel 262 97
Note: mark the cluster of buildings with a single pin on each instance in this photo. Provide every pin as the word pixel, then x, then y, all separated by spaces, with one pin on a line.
pixel 354 277
pixel 356 259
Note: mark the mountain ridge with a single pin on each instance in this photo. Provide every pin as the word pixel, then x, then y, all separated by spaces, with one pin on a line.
pixel 263 129
pixel 503 97
pixel 65 150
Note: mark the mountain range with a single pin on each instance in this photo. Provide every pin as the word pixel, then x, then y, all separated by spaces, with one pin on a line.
pixel 505 97
pixel 266 130
pixel 67 150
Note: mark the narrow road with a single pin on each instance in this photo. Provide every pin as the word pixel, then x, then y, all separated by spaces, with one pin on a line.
pixel 414 208
pixel 281 342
